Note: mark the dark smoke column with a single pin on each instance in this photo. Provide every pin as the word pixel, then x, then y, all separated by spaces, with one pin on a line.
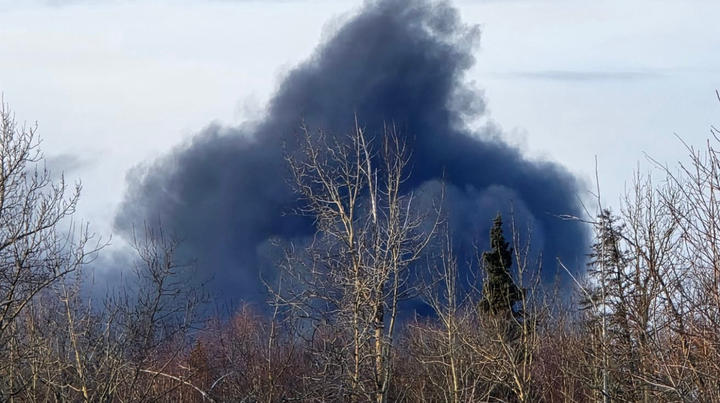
pixel 397 61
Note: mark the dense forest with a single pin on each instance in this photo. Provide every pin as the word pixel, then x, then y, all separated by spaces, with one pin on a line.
pixel 640 323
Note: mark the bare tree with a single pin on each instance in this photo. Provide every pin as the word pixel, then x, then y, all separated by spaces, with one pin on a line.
pixel 129 346
pixel 34 253
pixel 692 285
pixel 351 278
pixel 449 369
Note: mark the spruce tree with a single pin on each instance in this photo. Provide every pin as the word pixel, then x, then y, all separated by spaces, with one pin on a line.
pixel 500 293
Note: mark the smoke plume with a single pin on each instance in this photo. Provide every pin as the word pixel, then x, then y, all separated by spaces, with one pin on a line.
pixel 396 61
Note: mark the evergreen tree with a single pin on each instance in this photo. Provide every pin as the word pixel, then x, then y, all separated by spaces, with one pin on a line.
pixel 610 297
pixel 500 293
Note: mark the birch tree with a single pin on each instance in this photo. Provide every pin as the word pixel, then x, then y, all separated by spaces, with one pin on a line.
pixel 351 278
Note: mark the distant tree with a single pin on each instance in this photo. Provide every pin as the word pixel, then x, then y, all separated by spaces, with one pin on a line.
pixel 500 293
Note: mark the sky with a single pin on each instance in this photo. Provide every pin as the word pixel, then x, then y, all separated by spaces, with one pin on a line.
pixel 117 84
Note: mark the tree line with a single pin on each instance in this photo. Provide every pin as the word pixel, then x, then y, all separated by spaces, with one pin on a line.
pixel 640 324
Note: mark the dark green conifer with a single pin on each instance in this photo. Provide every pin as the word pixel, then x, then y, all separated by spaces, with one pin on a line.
pixel 500 293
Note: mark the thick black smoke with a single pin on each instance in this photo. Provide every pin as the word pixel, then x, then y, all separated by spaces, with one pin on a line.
pixel 396 61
